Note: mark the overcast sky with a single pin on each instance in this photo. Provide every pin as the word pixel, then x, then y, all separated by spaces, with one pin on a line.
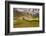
pixel 27 9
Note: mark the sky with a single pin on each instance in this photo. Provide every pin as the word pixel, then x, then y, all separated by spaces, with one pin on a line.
pixel 33 11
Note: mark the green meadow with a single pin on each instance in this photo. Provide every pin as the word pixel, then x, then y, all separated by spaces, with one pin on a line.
pixel 25 23
pixel 20 22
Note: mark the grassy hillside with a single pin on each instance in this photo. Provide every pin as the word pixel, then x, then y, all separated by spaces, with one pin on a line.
pixel 19 20
pixel 26 23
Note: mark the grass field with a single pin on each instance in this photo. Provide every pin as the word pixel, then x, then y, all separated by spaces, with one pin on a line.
pixel 19 23
pixel 25 23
